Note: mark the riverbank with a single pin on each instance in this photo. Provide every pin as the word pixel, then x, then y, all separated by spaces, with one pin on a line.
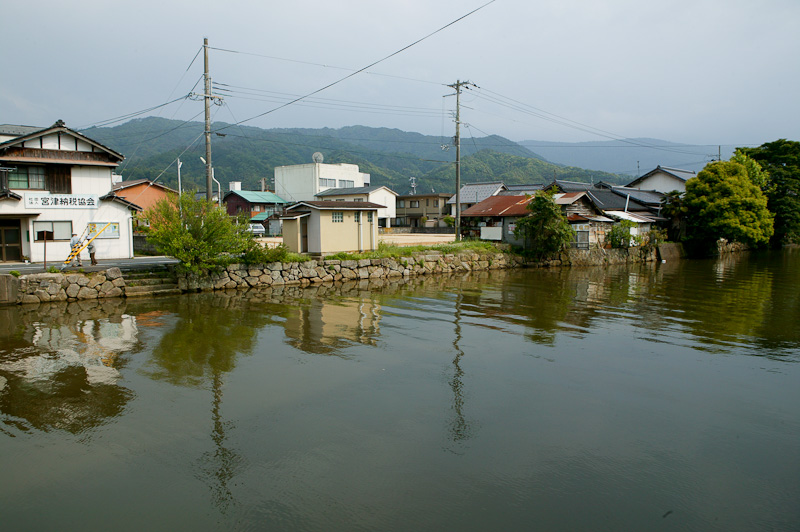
pixel 111 283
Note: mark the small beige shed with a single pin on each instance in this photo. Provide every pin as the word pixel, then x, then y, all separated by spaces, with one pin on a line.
pixel 328 227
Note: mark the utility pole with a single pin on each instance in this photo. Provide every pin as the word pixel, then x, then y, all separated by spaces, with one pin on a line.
pixel 207 101
pixel 457 87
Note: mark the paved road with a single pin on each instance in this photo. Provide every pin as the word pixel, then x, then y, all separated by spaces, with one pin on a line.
pixel 136 263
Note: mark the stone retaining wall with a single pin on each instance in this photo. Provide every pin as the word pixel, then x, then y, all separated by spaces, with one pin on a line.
pixel 330 271
pixel 40 287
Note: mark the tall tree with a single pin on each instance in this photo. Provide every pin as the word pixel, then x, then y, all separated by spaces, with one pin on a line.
pixel 546 230
pixel 723 202
pixel 782 160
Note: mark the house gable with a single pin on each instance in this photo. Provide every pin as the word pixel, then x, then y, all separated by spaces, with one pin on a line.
pixel 58 145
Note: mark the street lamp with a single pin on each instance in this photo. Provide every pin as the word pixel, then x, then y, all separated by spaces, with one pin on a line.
pixel 219 187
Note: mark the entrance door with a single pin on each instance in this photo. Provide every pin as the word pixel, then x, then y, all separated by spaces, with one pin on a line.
pixel 10 244
pixel 304 234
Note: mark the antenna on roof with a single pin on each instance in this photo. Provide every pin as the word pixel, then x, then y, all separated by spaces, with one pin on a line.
pixel 317 157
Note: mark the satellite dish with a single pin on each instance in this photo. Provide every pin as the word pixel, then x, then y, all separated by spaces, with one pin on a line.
pixel 317 157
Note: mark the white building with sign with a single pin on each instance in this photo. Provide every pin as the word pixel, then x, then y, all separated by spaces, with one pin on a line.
pixel 55 182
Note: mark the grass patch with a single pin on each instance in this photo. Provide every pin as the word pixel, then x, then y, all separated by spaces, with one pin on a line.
pixel 388 251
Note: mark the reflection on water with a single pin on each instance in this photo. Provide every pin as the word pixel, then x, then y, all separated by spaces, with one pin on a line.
pixel 487 400
pixel 59 366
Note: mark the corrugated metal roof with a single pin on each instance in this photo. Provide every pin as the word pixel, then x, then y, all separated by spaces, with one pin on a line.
pixel 499 206
pixel 256 196
pixel 633 217
pixel 568 198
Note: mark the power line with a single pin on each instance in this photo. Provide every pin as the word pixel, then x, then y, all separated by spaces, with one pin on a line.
pixel 366 67
pixel 109 121
pixel 323 65
pixel 282 96
pixel 518 106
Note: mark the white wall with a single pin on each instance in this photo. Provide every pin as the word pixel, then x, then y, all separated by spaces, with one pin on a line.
pixel 383 196
pixel 662 183
pixel 107 248
pixel 91 180
pixel 300 182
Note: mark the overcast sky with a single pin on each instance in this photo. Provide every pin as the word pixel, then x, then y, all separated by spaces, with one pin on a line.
pixel 696 71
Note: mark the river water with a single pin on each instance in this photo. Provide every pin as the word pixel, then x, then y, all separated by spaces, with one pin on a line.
pixel 661 397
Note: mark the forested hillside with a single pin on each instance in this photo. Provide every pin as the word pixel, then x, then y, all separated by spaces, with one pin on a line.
pixel 391 156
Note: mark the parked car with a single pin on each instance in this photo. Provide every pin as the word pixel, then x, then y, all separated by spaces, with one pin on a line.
pixel 257 230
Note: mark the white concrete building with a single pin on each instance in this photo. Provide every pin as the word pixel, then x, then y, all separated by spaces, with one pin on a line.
pixel 302 182
pixel 379 195
pixel 55 182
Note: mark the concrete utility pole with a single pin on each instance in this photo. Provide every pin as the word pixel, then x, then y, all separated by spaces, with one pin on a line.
pixel 207 100
pixel 457 87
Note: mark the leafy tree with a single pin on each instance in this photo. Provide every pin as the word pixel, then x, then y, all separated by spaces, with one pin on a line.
pixel 673 208
pixel 197 232
pixel 620 235
pixel 723 202
pixel 782 160
pixel 755 172
pixel 545 230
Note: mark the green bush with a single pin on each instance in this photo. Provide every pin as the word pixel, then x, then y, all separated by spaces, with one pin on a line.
pixel 258 254
pixel 620 235
pixel 15 273
pixel 197 232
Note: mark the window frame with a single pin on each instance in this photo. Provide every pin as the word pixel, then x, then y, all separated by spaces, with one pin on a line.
pixel 38 228
pixel 337 217
pixel 40 176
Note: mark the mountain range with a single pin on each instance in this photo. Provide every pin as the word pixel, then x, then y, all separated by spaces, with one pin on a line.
pixel 391 156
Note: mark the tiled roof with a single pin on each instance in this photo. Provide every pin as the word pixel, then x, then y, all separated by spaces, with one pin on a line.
pixel 682 175
pixel 127 184
pixel 647 197
pixel 337 205
pixel 351 191
pixel 520 190
pixel 477 192
pixel 18 131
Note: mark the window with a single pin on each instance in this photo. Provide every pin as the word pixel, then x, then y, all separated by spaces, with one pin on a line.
pixel 359 199
pixel 27 177
pixel 414 204
pixel 436 203
pixel 52 230
pixel 347 183
pixel 427 202
pixel 327 182
pixel 339 199
pixel 337 217
pixel 369 217
pixel 357 216
pixel 401 203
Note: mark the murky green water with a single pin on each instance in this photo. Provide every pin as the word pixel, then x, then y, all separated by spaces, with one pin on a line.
pixel 655 398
